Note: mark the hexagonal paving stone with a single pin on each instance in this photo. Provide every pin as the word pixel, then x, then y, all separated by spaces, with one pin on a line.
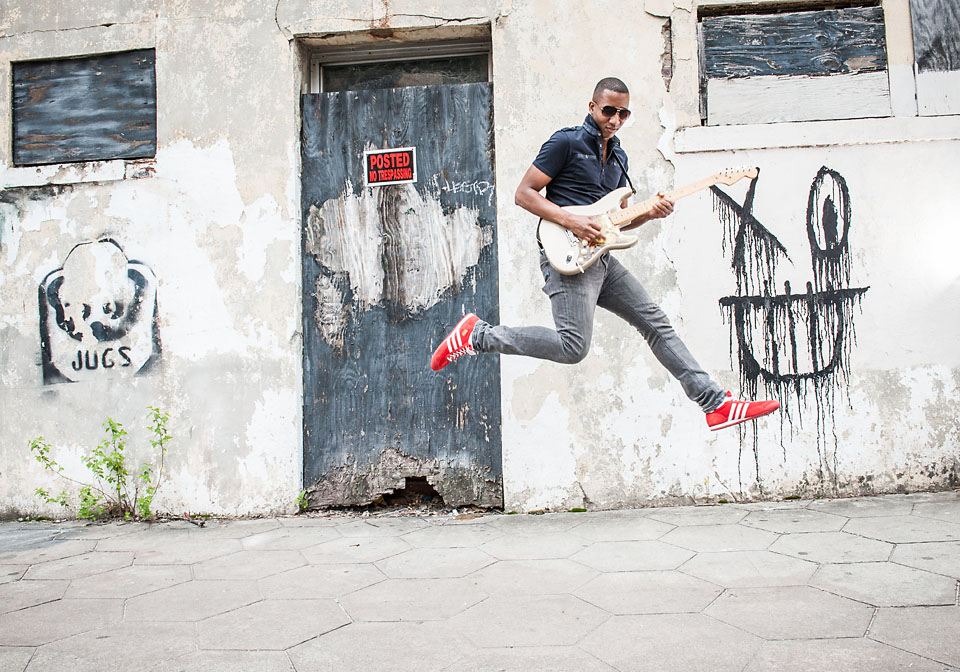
pixel 228 661
pixel 452 536
pixel 412 600
pixel 813 655
pixel 129 581
pixel 312 519
pixel 56 620
pixel 530 620
pixel 676 642
pixel 15 658
pixel 861 507
pixel 526 523
pixel 442 563
pixel 250 565
pixel 11 573
pixel 628 556
pixel 381 527
pixel 271 625
pixel 749 569
pixel 340 551
pixel 192 601
pixel 123 646
pixel 80 566
pixel 667 592
pixel 791 612
pixel 930 632
pixel 939 557
pixel 362 647
pixel 948 510
pixel 794 520
pixel 21 537
pixel 904 529
pixel 236 529
pixel 51 550
pixel 170 547
pixel 290 538
pixel 714 538
pixel 699 515
pixel 532 577
pixel 526 659
pixel 884 584
pixel 827 547
pixel 620 526
pixel 23 594
pixel 320 581
pixel 534 546
pixel 105 530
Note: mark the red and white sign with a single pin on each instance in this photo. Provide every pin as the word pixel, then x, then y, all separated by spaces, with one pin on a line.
pixel 390 166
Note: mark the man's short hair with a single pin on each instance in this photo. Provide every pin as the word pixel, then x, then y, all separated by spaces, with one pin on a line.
pixel 610 84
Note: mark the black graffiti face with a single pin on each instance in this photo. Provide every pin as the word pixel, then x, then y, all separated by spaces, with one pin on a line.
pixel 805 334
pixel 793 342
pixel 106 316
pixel 97 314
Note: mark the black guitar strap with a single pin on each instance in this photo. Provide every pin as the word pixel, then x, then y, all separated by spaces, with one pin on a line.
pixel 625 173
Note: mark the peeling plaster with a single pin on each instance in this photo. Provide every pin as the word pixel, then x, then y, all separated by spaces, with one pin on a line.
pixel 435 250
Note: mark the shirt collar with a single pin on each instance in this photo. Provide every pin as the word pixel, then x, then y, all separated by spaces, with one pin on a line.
pixel 590 126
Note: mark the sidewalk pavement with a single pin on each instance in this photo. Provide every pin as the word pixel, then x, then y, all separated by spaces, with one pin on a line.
pixel 846 584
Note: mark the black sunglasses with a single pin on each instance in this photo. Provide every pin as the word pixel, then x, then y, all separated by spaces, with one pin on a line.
pixel 610 110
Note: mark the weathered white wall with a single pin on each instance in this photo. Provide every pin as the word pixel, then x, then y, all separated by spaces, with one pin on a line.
pixel 217 220
pixel 616 430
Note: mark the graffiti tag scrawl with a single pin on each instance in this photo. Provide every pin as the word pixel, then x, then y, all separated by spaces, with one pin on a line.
pixel 98 315
pixel 794 342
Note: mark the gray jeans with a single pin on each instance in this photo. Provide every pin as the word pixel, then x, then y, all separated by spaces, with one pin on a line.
pixel 574 299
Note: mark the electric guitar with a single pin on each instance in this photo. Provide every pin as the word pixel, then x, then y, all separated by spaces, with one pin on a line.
pixel 570 255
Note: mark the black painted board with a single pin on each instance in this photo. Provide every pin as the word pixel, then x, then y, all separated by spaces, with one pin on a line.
pixel 377 391
pixel 936 34
pixel 85 109
pixel 820 42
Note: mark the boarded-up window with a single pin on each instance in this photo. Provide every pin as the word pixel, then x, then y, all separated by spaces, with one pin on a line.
pixel 793 66
pixel 85 109
pixel 396 74
pixel 936 48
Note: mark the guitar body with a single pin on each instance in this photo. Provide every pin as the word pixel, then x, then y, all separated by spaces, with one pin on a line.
pixel 570 255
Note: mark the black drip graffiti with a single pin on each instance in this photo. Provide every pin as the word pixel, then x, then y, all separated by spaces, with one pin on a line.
pixel 808 336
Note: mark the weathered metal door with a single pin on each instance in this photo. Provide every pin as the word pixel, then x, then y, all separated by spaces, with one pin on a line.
pixel 387 270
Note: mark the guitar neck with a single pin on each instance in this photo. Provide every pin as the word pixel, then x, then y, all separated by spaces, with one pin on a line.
pixel 622 216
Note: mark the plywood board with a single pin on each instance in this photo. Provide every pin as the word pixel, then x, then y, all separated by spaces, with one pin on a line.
pixel 758 100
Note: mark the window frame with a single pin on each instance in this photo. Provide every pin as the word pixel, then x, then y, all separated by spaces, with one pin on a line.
pixel 406 51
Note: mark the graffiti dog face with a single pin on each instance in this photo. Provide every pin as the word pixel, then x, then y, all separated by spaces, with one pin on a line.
pixel 97 314
pixel 96 295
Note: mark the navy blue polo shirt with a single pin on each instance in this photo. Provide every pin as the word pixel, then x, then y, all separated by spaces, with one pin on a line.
pixel 571 158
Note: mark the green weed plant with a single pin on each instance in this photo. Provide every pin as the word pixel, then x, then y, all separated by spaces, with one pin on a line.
pixel 113 492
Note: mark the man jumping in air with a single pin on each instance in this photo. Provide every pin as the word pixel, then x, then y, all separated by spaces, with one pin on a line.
pixel 578 166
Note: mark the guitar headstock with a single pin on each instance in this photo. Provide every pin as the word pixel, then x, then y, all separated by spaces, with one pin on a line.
pixel 734 175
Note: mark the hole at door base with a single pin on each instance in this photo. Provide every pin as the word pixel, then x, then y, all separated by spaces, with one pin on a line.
pixel 416 491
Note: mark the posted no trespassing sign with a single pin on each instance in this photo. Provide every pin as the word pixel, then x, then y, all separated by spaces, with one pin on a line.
pixel 390 166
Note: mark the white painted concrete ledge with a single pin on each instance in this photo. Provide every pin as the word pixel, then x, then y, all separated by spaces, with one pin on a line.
pixel 816 134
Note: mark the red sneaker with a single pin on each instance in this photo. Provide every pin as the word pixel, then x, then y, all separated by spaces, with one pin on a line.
pixel 734 411
pixel 456 344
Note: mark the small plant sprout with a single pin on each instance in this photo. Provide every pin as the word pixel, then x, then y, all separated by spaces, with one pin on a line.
pixel 113 491
pixel 303 501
